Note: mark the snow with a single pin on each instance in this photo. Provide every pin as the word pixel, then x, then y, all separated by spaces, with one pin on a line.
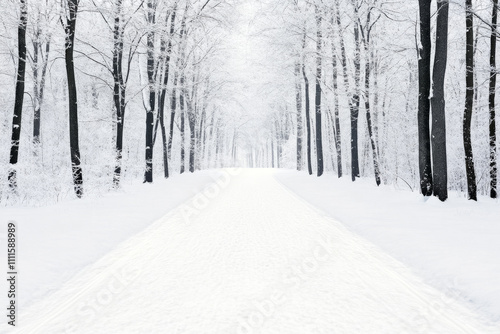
pixel 245 254
pixel 57 241
pixel 452 245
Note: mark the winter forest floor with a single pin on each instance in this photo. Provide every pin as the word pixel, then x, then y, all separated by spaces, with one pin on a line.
pixel 258 251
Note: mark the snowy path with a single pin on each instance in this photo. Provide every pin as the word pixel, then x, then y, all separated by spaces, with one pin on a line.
pixel 255 259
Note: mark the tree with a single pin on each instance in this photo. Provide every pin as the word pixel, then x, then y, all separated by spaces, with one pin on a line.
pixel 469 101
pixel 493 84
pixel 366 36
pixel 41 41
pixel 308 108
pixel 337 133
pixel 119 88
pixel 319 139
pixel 150 104
pixel 424 108
pixel 438 132
pixel 300 126
pixel 70 28
pixel 19 98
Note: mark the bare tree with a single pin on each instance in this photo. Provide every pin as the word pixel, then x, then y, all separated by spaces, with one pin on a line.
pixel 469 100
pixel 493 84
pixel 424 107
pixel 19 98
pixel 438 132
pixel 70 28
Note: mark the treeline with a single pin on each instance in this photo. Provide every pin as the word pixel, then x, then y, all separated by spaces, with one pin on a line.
pixel 378 91
pixel 107 60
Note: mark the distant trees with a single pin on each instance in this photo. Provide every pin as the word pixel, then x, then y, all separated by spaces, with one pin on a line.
pixel 320 66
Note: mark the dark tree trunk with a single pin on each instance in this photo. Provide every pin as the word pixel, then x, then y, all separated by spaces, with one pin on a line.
pixel 163 94
pixel 319 135
pixel 493 84
pixel 368 62
pixel 118 90
pixel 298 101
pixel 469 100
pixel 40 61
pixel 151 16
pixel 173 107
pixel 19 97
pixel 192 136
pixel 424 86
pixel 183 125
pixel 438 134
pixel 338 140
pixel 355 99
pixel 308 120
pixel 73 100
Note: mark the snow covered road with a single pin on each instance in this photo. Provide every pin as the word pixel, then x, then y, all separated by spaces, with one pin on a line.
pixel 249 256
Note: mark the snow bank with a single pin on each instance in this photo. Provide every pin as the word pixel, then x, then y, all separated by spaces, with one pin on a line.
pixel 452 246
pixel 55 242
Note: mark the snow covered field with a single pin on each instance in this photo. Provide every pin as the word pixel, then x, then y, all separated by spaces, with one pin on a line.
pixel 454 246
pixel 247 255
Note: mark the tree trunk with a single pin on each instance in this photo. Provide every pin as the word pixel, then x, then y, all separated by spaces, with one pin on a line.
pixel 40 61
pixel 183 126
pixel 300 128
pixel 493 84
pixel 319 135
pixel 355 98
pixel 438 134
pixel 19 97
pixel 73 100
pixel 469 100
pixel 151 16
pixel 368 62
pixel 424 86
pixel 337 134
pixel 308 120
pixel 118 90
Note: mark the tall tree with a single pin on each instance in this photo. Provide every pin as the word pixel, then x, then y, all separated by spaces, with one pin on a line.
pixel 70 28
pixel 424 107
pixel 150 106
pixel 119 89
pixel 355 97
pixel 298 102
pixel 438 132
pixel 307 106
pixel 166 47
pixel 366 36
pixel 41 49
pixel 493 85
pixel 337 133
pixel 469 100
pixel 19 97
pixel 319 135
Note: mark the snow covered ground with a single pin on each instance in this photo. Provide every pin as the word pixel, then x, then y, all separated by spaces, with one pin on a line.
pixel 454 246
pixel 57 241
pixel 247 255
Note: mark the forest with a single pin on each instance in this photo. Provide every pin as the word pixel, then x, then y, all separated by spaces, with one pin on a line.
pixel 96 93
